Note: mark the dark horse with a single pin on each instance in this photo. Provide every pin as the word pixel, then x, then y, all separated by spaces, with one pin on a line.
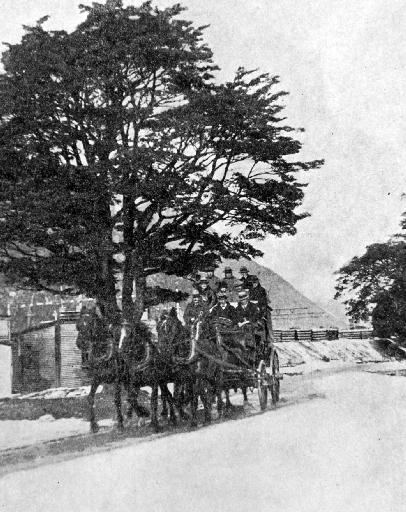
pixel 208 370
pixel 193 363
pixel 98 340
pixel 174 346
pixel 153 370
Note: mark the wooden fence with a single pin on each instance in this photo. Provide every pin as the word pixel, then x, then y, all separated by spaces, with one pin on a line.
pixel 317 335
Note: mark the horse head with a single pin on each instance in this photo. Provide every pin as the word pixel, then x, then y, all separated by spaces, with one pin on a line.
pixel 135 345
pixel 95 336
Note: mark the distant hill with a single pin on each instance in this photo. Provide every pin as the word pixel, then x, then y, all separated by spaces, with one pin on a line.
pixel 335 308
pixel 291 309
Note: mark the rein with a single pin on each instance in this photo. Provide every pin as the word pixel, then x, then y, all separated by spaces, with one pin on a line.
pixel 220 362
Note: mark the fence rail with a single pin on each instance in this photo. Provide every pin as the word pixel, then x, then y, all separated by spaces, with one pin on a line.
pixel 316 335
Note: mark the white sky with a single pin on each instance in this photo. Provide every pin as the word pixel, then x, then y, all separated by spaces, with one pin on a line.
pixel 343 64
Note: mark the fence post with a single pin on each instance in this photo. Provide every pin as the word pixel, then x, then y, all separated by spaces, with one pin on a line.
pixel 311 335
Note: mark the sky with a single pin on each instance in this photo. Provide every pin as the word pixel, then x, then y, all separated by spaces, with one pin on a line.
pixel 342 63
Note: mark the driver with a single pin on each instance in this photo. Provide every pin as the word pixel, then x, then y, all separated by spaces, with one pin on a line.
pixel 194 310
pixel 258 295
pixel 207 295
pixel 247 311
pixel 223 309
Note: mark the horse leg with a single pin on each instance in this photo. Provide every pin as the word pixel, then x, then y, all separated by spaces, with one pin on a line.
pixel 244 392
pixel 179 399
pixel 94 427
pixel 229 405
pixel 207 403
pixel 117 402
pixel 194 394
pixel 164 412
pixel 154 407
pixel 219 402
pixel 165 393
pixel 140 411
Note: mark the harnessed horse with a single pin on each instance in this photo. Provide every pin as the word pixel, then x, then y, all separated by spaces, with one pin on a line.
pixel 98 341
pixel 208 370
pixel 173 340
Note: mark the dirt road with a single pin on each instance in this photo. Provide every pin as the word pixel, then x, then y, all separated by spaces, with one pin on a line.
pixel 335 443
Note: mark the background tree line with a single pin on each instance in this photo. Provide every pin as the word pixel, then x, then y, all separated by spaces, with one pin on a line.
pixel 374 286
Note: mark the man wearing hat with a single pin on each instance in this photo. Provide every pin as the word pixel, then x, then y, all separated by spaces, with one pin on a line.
pixel 194 310
pixel 247 311
pixel 245 278
pixel 212 280
pixel 232 282
pixel 207 295
pixel 258 295
pixel 248 320
pixel 222 289
pixel 223 309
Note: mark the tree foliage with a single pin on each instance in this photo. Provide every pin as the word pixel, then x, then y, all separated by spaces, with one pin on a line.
pixel 122 157
pixel 374 286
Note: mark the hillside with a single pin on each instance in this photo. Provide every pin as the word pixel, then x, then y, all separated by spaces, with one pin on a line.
pixel 291 309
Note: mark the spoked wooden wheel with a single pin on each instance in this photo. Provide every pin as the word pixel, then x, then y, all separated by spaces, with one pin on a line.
pixel 275 378
pixel 262 385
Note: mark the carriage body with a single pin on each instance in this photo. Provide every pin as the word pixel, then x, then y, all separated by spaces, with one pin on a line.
pixel 250 359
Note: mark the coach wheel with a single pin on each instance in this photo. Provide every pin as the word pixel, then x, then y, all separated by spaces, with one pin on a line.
pixel 262 385
pixel 275 378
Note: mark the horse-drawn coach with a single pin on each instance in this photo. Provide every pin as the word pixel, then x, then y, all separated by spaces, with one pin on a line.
pixel 204 360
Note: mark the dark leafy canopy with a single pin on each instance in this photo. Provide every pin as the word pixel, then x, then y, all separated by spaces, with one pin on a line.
pixel 374 285
pixel 120 156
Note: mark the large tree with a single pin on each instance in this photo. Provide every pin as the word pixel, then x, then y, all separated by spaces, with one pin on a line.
pixel 122 157
pixel 374 286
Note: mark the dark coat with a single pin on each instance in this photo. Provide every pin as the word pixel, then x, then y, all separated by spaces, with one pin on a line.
pixel 229 312
pixel 208 296
pixel 230 282
pixel 251 313
pixel 232 291
pixel 258 295
pixel 247 282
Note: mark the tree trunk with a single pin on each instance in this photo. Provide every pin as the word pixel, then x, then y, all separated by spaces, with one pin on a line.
pixel 139 301
pixel 128 249
pixel 107 300
pixel 127 288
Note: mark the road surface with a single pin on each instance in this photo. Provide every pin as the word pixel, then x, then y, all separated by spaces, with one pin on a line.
pixel 337 443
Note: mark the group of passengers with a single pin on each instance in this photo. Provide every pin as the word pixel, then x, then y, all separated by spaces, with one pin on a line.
pixel 213 297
